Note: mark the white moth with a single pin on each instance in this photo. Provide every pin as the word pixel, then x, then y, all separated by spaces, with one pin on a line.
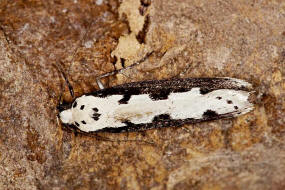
pixel 158 103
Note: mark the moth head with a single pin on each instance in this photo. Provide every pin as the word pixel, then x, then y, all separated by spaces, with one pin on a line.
pixel 79 114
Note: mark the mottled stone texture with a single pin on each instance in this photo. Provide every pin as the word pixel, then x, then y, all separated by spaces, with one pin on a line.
pixel 186 38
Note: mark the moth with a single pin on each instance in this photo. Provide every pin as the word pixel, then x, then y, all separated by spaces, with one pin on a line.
pixel 152 104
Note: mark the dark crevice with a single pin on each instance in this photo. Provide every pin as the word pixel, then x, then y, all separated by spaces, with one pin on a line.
pixel 142 34
pixel 144 6
pixel 114 61
pixel 123 62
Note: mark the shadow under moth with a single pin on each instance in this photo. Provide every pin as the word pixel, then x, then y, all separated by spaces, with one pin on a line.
pixel 156 104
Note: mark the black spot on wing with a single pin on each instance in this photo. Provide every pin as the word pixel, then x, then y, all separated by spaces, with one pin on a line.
pixel 96 116
pixel 219 97
pixel 160 95
pixel 204 90
pixel 161 117
pixel 125 99
pixel 236 107
pixel 229 101
pixel 128 123
pixel 209 114
pixel 77 124
pixel 83 122
pixel 82 107
pixel 74 104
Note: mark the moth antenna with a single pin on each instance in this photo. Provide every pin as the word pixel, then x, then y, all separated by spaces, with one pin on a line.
pixel 99 83
pixel 70 88
pixel 98 79
pixel 71 62
pixel 68 84
pixel 73 55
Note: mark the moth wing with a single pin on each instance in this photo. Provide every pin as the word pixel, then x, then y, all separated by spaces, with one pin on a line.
pixel 164 87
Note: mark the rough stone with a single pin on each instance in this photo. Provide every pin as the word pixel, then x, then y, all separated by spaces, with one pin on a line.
pixel 189 38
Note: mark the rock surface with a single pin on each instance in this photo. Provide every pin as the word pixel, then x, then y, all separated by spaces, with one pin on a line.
pixel 186 38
